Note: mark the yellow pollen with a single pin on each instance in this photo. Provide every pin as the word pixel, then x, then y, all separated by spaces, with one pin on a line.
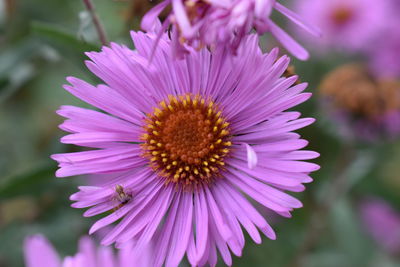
pixel 186 139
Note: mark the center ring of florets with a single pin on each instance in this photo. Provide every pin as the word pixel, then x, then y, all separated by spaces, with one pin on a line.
pixel 186 140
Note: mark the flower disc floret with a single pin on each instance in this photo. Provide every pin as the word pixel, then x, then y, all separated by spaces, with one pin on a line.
pixel 186 140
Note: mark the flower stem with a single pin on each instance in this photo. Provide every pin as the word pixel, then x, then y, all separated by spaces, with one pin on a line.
pixel 96 21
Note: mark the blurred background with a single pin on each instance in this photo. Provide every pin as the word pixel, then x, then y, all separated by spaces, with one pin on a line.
pixel 351 213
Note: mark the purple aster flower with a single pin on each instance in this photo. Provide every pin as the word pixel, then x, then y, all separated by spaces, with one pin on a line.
pixel 382 222
pixel 192 141
pixel 366 107
pixel 38 252
pixel 213 22
pixel 348 25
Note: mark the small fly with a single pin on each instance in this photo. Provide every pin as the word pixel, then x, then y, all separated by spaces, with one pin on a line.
pixel 121 196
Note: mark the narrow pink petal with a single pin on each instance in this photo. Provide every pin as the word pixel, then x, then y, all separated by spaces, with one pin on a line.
pixel 88 249
pixel 105 257
pixel 191 252
pixel 288 42
pixel 220 242
pixel 251 212
pixel 298 20
pixel 262 8
pixel 160 209
pixel 181 232
pixel 38 252
pixel 239 213
pixel 215 212
pixel 201 222
pixel 251 156
pixel 98 137
pixel 264 175
pixel 150 18
pixel 264 194
pixel 164 236
pixel 181 17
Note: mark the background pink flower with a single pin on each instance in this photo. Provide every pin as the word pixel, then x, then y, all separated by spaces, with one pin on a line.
pixel 202 23
pixel 384 55
pixel 382 222
pixel 38 252
pixel 347 25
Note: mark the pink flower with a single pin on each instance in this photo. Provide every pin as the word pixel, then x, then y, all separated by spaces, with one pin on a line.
pixel 214 22
pixel 382 222
pixel 192 140
pixel 38 252
pixel 347 25
pixel 384 55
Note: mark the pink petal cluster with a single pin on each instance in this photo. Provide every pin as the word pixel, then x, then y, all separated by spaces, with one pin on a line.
pixel 264 163
pixel 224 22
pixel 38 252
pixel 346 25
pixel 382 221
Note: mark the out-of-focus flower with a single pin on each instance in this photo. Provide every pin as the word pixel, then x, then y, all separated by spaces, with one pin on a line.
pixel 382 222
pixel 191 139
pixel 346 25
pixel 210 23
pixel 369 107
pixel 38 252
pixel 384 55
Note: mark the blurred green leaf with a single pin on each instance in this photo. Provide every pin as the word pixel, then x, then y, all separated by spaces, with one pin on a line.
pixel 348 235
pixel 12 57
pixel 61 38
pixel 28 182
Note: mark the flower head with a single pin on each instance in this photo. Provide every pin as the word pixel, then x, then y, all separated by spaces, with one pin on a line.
pixel 368 106
pixel 382 221
pixel 38 252
pixel 210 23
pixel 348 25
pixel 184 142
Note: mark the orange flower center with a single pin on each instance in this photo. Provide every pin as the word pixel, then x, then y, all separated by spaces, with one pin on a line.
pixel 186 140
pixel 342 15
pixel 351 87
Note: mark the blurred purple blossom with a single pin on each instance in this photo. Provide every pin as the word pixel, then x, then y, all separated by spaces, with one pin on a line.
pixel 200 23
pixel 382 222
pixel 346 25
pixel 38 252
